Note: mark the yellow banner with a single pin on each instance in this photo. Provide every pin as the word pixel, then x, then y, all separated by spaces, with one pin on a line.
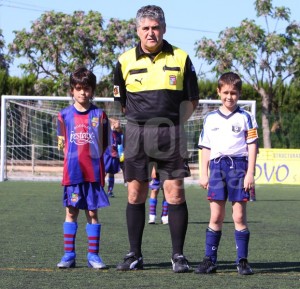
pixel 276 166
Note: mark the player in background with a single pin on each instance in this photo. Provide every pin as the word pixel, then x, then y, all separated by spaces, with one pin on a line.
pixel 111 156
pixel 121 148
pixel 229 149
pixel 82 130
pixel 155 185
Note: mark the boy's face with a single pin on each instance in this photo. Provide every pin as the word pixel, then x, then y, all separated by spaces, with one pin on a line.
pixel 82 94
pixel 115 124
pixel 229 96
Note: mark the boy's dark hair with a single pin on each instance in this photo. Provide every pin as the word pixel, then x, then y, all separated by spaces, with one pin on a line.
pixel 83 77
pixel 230 78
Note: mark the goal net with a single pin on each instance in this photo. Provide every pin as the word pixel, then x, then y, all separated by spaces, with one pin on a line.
pixel 28 134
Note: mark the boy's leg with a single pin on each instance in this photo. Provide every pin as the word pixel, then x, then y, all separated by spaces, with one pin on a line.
pixel 213 237
pixel 94 236
pixel 111 183
pixel 212 244
pixel 152 210
pixel 242 237
pixel 208 265
pixel 164 212
pixel 242 243
pixel 68 260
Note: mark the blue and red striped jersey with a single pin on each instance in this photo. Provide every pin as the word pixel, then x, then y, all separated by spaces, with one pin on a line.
pixel 85 139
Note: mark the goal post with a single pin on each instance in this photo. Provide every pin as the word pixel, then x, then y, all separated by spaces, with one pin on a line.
pixel 28 134
pixel 28 147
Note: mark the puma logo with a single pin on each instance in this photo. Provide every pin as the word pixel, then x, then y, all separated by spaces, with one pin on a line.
pixel 140 81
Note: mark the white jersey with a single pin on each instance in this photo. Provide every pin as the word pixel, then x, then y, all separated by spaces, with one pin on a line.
pixel 228 135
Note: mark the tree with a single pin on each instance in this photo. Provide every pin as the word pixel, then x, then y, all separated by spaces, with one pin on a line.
pixel 57 43
pixel 264 58
pixel 3 59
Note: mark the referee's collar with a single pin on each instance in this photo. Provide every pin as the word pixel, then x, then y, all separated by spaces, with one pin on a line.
pixel 167 48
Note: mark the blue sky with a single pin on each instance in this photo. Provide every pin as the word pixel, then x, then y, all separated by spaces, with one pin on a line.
pixel 186 23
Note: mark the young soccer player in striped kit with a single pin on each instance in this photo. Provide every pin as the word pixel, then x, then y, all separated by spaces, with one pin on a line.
pixel 229 149
pixel 111 155
pixel 82 130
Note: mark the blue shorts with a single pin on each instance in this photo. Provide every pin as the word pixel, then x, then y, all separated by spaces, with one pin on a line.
pixel 226 180
pixel 155 184
pixel 112 165
pixel 85 196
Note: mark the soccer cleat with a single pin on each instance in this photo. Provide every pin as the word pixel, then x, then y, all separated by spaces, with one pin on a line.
pixel 94 261
pixel 110 195
pixel 67 261
pixel 152 219
pixel 206 266
pixel 180 264
pixel 131 262
pixel 165 220
pixel 244 268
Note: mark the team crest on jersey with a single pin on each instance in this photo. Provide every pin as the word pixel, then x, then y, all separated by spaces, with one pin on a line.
pixel 95 121
pixel 236 128
pixel 172 80
pixel 116 91
pixel 74 198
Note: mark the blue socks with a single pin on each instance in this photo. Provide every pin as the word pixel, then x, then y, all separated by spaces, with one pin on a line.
pixel 70 229
pixel 152 206
pixel 93 232
pixel 212 244
pixel 213 240
pixel 164 208
pixel 242 242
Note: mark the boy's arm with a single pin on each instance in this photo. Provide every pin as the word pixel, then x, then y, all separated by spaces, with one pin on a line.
pixel 204 168
pixel 60 133
pixel 60 142
pixel 252 154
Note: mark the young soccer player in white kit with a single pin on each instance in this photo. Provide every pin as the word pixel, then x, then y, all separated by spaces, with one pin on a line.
pixel 229 149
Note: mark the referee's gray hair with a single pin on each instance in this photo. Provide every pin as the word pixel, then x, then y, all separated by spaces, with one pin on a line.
pixel 152 12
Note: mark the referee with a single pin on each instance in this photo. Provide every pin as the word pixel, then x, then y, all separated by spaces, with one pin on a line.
pixel 157 88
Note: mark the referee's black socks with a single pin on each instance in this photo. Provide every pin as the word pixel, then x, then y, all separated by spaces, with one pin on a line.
pixel 135 215
pixel 178 222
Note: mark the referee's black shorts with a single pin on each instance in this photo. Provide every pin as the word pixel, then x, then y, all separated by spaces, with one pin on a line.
pixel 163 146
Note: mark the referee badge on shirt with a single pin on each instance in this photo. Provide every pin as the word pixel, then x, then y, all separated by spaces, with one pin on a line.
pixel 172 80
pixel 116 91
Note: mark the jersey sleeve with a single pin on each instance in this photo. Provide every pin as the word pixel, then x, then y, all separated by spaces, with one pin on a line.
pixel 251 134
pixel 119 91
pixel 190 85
pixel 203 138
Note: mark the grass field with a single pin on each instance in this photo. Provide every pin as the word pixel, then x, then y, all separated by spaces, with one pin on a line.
pixel 31 243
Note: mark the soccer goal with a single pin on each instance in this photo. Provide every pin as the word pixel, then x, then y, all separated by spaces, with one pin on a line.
pixel 28 134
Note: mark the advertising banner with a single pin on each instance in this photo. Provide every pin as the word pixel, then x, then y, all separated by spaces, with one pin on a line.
pixel 276 166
